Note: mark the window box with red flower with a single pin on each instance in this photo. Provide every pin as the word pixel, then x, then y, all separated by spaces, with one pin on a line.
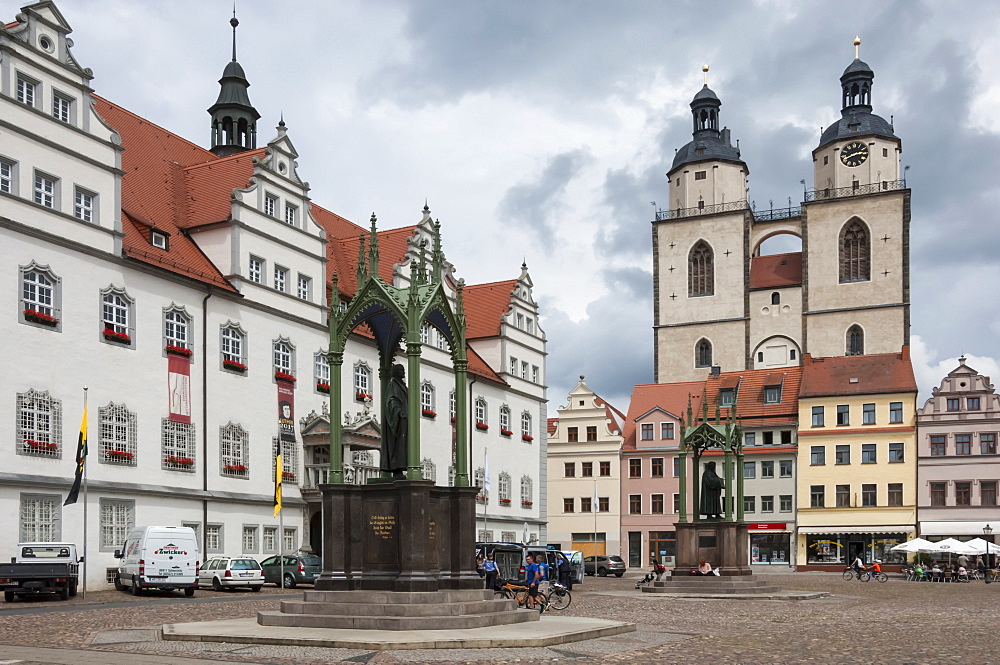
pixel 482 427
pixel 527 504
pixel 178 350
pixel 234 366
pixel 119 456
pixel 427 413
pixel 481 498
pixel 288 475
pixel 283 376
pixel 504 502
pixel 40 447
pixel 505 432
pixel 453 419
pixel 323 387
pixel 361 397
pixel 527 437
pixel 40 317
pixel 178 461
pixel 113 335
pixel 235 468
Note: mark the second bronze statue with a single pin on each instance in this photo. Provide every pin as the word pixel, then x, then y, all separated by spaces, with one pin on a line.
pixel 395 424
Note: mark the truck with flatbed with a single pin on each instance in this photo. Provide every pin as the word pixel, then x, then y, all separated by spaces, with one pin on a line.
pixel 41 568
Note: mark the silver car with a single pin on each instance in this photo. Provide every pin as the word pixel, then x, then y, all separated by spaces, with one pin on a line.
pixel 223 572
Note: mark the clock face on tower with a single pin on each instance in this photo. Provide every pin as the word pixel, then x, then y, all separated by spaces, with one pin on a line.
pixel 854 153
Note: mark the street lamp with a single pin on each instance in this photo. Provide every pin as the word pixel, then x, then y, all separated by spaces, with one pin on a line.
pixel 988 533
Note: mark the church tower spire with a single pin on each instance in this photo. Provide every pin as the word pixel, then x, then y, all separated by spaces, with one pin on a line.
pixel 234 119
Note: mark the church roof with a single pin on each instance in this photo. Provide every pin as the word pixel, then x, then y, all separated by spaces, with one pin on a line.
pixel 703 149
pixel 857 66
pixel 776 270
pixel 171 185
pixel 856 122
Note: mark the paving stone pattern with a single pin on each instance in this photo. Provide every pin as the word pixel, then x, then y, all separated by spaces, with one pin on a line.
pixel 895 623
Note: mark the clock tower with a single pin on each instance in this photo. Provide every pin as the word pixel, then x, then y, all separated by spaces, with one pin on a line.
pixel 855 231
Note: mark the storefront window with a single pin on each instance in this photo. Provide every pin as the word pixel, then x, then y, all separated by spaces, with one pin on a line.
pixel 834 548
pixel 770 547
pixel 662 544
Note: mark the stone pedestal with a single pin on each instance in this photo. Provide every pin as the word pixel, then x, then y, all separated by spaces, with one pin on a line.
pixel 722 544
pixel 404 536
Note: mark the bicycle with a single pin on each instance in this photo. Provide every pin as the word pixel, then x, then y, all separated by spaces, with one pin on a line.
pixel 558 597
pixel 863 575
pixel 509 590
pixel 876 575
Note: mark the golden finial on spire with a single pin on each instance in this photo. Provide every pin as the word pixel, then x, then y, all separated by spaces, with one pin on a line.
pixel 857 43
pixel 704 68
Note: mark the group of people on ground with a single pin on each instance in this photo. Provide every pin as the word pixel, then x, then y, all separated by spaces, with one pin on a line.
pixel 936 571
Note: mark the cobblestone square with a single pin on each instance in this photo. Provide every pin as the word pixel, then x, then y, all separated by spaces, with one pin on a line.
pixel 895 623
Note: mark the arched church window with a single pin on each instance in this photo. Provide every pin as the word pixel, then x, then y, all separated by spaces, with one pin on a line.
pixel 703 354
pixel 855 341
pixel 701 270
pixel 775 298
pixel 855 253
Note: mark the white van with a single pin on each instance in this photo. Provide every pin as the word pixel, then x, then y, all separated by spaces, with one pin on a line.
pixel 159 557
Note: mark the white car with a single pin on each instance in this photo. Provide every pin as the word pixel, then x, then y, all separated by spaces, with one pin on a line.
pixel 223 572
pixel 158 557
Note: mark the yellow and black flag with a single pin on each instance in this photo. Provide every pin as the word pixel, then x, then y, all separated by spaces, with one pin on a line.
pixel 81 459
pixel 278 472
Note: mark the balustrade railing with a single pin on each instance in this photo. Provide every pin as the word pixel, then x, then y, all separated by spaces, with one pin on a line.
pixel 713 209
pixel 854 190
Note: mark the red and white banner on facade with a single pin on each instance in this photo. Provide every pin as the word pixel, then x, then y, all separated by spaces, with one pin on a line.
pixel 179 388
pixel 286 410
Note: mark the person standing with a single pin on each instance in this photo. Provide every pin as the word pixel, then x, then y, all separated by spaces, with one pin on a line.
pixel 491 571
pixel 531 579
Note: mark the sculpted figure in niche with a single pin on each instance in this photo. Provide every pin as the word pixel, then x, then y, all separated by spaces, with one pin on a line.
pixel 711 493
pixel 395 426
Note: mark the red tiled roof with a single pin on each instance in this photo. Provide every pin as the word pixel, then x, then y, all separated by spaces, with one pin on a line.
pixel 672 397
pixel 485 306
pixel 552 424
pixel 616 417
pixel 171 184
pixel 858 375
pixel 776 270
pixel 750 396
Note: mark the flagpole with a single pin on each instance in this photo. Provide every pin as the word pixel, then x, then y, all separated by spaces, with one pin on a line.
pixel 83 564
pixel 486 485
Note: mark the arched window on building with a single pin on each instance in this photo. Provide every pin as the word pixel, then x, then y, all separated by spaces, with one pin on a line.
pixel 775 298
pixel 855 341
pixel 703 353
pixel 701 270
pixel 855 252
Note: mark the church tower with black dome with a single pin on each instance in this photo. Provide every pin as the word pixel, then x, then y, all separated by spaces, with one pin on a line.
pixel 719 302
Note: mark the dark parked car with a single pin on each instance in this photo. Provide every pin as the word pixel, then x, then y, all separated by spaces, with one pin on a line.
pixel 603 565
pixel 299 569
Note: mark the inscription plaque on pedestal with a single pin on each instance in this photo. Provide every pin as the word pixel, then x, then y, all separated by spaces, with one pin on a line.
pixel 381 537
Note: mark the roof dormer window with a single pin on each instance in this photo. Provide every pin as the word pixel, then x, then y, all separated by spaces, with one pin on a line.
pixel 727 397
pixel 772 394
pixel 157 239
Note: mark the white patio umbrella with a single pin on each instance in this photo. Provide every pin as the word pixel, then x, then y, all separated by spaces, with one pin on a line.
pixel 912 546
pixel 948 546
pixel 979 547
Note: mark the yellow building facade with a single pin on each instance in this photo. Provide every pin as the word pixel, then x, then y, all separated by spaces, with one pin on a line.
pixel 857 459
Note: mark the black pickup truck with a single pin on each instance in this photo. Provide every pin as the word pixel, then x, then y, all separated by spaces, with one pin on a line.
pixel 41 568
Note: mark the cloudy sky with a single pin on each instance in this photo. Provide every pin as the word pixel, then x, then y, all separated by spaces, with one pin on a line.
pixel 541 131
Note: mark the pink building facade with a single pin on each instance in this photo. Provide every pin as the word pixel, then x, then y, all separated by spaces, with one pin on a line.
pixel 958 468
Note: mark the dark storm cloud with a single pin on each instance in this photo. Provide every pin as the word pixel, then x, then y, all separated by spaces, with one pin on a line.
pixel 612 346
pixel 535 204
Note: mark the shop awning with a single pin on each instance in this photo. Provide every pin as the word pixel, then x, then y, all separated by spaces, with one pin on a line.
pixel 953 528
pixel 892 528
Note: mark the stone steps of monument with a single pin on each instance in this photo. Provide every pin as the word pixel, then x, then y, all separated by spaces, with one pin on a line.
pixel 399 597
pixel 729 591
pixel 398 610
pixel 719 581
pixel 396 622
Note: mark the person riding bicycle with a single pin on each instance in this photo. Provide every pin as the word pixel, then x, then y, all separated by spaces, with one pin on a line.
pixel 877 566
pixel 858 565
